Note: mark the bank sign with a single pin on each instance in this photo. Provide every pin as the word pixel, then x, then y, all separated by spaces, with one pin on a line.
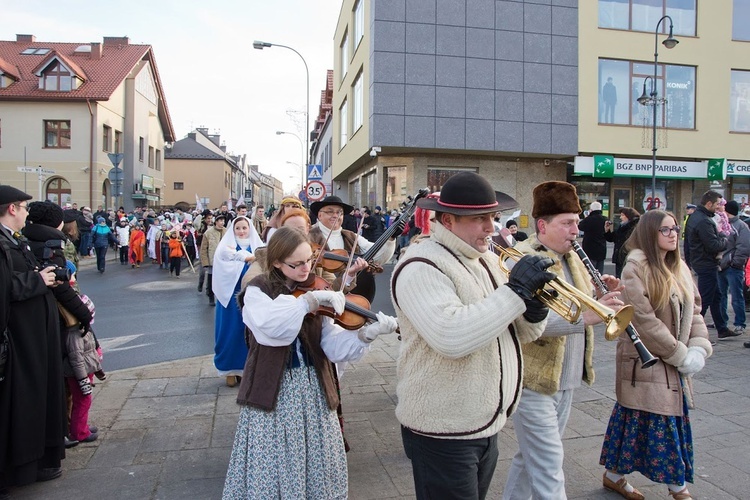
pixel 606 166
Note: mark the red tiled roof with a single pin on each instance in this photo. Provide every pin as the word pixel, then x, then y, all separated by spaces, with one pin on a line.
pixel 77 71
pixel 102 75
pixel 8 69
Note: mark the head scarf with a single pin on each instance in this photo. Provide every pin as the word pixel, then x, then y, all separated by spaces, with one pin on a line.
pixel 227 270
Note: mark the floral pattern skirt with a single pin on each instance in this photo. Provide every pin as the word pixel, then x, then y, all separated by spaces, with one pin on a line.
pixel 658 446
pixel 295 451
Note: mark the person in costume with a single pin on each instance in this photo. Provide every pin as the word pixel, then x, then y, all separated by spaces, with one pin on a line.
pixel 211 239
pixel 462 322
pixel 136 245
pixel 649 430
pixel 288 443
pixel 233 256
pixel 330 214
pixel 274 222
pixel 556 364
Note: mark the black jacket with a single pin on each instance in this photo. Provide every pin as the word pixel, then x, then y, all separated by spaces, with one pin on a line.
pixel 619 236
pixel 704 239
pixel 594 240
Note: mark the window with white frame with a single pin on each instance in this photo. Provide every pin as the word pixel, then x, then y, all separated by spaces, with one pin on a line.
pixel 344 53
pixel 739 101
pixel 359 103
pixel 343 122
pixel 359 23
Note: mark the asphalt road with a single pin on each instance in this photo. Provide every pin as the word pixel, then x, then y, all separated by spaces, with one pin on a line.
pixel 144 316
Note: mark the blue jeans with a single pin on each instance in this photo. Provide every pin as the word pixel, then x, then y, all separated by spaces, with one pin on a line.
pixel 85 245
pixel 101 258
pixel 733 280
pixel 708 287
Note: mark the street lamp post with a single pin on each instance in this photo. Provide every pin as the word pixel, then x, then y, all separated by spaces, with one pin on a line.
pixel 262 45
pixel 654 100
pixel 302 179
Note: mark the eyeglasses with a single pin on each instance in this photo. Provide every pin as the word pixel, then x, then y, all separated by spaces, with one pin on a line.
pixel 332 212
pixel 667 230
pixel 299 264
pixel 25 207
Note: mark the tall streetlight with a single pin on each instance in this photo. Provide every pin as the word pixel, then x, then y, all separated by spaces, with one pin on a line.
pixel 262 45
pixel 281 132
pixel 654 100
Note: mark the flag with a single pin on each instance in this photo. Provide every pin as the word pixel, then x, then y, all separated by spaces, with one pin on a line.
pixel 198 204
pixel 241 201
pixel 229 203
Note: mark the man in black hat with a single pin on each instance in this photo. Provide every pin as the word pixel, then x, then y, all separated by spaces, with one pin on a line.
pixel 329 213
pixel 32 401
pixel 557 363
pixel 462 321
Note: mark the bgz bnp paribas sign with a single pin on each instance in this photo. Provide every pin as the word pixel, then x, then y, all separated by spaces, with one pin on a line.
pixel 607 166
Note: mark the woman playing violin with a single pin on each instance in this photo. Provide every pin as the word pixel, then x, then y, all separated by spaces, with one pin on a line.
pixel 288 443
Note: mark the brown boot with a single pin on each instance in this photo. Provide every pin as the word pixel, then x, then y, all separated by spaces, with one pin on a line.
pixel 231 380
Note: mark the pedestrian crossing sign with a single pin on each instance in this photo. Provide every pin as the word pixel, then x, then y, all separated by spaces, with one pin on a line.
pixel 314 172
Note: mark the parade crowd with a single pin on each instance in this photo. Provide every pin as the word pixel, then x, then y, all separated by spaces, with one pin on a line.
pixel 479 343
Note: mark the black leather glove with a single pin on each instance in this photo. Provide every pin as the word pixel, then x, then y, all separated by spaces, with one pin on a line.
pixel 535 311
pixel 85 385
pixel 529 275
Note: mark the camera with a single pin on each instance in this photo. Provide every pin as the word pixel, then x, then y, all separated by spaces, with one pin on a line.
pixel 61 273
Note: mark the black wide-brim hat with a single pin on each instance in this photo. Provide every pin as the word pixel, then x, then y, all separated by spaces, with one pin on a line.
pixel 468 193
pixel 330 200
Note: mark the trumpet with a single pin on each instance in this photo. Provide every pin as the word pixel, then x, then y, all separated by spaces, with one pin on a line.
pixel 647 359
pixel 568 301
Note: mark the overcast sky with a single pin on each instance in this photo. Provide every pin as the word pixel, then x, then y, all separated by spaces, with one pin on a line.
pixel 211 74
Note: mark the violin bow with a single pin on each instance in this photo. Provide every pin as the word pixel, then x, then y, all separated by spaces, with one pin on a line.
pixel 351 255
pixel 322 249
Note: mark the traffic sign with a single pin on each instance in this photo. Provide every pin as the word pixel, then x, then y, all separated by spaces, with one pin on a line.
pixel 115 158
pixel 35 170
pixel 116 175
pixel 26 170
pixel 315 190
pixel 314 172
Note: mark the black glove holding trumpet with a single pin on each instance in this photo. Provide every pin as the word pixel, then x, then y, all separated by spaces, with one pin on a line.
pixel 528 275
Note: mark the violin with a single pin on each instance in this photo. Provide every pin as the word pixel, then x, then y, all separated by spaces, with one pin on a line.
pixel 356 311
pixel 334 261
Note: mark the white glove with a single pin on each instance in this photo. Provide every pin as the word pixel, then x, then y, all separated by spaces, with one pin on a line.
pixel 385 324
pixel 336 300
pixel 694 361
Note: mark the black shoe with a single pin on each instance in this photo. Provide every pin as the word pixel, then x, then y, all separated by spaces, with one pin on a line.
pixel 70 443
pixel 93 429
pixel 4 494
pixel 747 344
pixel 211 301
pixel 48 474
pixel 91 437
pixel 200 289
pixel 710 325
pixel 727 333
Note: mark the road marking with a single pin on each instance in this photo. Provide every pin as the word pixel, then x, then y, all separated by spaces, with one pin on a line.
pixel 113 344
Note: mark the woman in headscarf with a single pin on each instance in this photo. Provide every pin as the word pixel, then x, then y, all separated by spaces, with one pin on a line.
pixel 232 259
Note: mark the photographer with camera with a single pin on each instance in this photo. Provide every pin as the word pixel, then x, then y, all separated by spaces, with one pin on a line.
pixel 32 401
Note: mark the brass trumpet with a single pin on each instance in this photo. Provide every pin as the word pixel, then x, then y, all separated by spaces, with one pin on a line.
pixel 568 301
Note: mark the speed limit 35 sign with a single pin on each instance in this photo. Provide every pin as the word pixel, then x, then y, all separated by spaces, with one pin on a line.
pixel 316 190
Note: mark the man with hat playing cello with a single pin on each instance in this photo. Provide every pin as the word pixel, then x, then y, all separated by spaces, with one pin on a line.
pixel 462 322
pixel 555 363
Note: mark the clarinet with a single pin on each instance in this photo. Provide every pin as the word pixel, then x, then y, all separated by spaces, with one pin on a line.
pixel 647 359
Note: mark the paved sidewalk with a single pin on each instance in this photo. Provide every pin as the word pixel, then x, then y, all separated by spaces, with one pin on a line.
pixel 166 432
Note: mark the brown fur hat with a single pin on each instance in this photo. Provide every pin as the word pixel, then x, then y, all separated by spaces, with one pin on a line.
pixel 555 197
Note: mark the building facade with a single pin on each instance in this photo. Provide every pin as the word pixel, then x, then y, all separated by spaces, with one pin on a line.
pixel 424 89
pixel 705 80
pixel 64 107
pixel 321 150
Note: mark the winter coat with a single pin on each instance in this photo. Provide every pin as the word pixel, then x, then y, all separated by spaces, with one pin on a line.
pixel 123 235
pixel 738 245
pixel 594 241
pixel 175 247
pixel 619 236
pixel 211 239
pixel 80 358
pixel 666 333
pixel 101 236
pixel 704 239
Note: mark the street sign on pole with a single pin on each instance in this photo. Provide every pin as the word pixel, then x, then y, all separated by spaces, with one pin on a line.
pixel 119 175
pixel 115 158
pixel 315 190
pixel 26 170
pixel 314 172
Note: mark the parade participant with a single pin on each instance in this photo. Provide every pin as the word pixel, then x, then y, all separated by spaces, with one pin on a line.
pixel 175 253
pixel 101 238
pixel 259 219
pixel 136 245
pixel 555 364
pixel 123 239
pixel 288 443
pixel 462 322
pixel 162 245
pixel 202 223
pixel 233 256
pixel 274 221
pixel 330 214
pixel 151 232
pixel 32 399
pixel 210 243
pixel 649 430
pixel 188 238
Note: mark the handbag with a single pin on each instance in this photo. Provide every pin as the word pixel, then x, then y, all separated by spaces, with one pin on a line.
pixel 726 259
pixel 67 316
pixel 4 353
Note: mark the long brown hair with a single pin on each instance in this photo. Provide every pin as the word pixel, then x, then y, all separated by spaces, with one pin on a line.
pixel 661 273
pixel 283 244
